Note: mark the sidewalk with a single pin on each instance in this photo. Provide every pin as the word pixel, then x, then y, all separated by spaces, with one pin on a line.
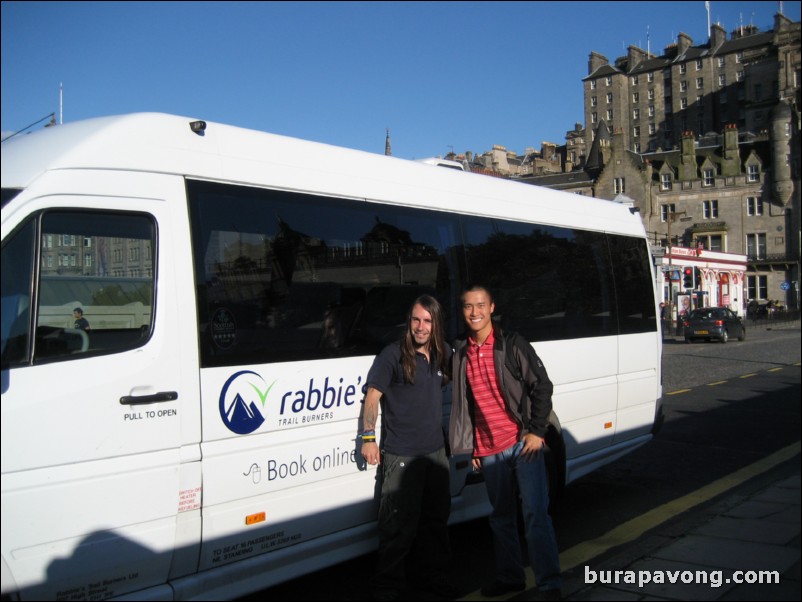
pixel 756 528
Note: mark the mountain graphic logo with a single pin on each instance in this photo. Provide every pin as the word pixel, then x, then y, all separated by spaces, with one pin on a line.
pixel 240 401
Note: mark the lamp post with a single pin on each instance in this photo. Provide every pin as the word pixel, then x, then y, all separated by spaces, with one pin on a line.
pixel 670 217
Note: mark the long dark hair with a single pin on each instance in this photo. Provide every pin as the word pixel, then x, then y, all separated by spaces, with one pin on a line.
pixel 437 344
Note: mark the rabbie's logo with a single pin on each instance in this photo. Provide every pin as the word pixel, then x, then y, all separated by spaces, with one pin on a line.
pixel 243 402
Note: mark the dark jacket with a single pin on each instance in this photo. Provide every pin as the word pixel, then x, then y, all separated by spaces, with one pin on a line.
pixel 525 387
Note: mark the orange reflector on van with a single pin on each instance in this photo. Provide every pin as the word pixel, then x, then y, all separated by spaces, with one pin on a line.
pixel 252 519
pixel 608 425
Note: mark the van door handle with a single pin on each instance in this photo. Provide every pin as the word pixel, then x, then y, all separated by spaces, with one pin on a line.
pixel 133 400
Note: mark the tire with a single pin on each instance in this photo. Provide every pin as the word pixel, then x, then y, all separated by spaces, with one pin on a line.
pixel 725 336
pixel 742 336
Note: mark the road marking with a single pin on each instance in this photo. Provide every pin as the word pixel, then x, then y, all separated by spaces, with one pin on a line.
pixel 583 553
pixel 748 375
pixel 721 382
pixel 631 530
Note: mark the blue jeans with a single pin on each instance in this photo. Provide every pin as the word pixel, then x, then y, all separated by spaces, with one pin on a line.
pixel 505 474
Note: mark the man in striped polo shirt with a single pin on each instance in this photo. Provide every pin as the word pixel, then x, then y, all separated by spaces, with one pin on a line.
pixel 500 415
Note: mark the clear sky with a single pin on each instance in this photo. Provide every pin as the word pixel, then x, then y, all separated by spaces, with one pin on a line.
pixel 439 75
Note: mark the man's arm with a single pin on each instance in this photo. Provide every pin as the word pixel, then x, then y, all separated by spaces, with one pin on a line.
pixel 370 449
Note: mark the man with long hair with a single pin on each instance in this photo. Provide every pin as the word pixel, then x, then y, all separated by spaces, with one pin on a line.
pixel 406 381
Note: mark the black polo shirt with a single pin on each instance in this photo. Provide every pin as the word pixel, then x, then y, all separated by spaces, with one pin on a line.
pixel 412 414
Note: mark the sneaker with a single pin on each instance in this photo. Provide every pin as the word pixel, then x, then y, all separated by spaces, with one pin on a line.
pixel 499 588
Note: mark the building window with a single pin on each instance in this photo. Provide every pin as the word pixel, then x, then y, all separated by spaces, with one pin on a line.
pixel 756 246
pixel 758 92
pixel 665 182
pixel 634 80
pixel 635 97
pixel 651 110
pixel 610 115
pixel 636 147
pixel 683 86
pixel 710 209
pixel 739 76
pixel 757 287
pixel 754 206
pixel 635 114
pixel 609 80
pixel 666 210
pixel 698 64
pixel 700 83
pixel 593 84
pixel 683 103
pixel 721 61
pixel 594 118
pixel 682 69
pixel 650 77
pixel 636 131
pixel 593 101
pixel 652 128
pixel 722 80
pixel 707 177
pixel 609 98
pixel 711 242
pixel 651 93
pixel 739 57
pixel 753 173
pixel 619 185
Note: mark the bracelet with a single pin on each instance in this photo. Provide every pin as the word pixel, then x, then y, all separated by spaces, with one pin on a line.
pixel 368 436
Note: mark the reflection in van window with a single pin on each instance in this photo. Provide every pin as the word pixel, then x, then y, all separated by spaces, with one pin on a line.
pixel 95 288
pixel 285 276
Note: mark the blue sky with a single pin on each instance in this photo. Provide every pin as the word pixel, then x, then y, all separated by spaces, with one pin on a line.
pixel 439 75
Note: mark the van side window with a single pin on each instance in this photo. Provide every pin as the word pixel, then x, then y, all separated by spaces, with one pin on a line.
pixel 284 276
pixel 95 287
pixel 17 275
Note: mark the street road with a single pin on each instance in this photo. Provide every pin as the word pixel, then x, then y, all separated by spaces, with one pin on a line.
pixel 726 407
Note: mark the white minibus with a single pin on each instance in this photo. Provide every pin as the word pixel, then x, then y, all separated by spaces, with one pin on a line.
pixel 198 438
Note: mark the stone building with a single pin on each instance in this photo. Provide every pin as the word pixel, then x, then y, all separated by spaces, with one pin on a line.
pixel 654 99
pixel 703 141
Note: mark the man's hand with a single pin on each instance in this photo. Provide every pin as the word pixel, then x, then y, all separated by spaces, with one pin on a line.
pixel 532 446
pixel 370 451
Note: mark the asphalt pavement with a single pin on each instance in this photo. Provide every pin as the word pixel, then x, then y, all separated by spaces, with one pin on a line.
pixel 740 540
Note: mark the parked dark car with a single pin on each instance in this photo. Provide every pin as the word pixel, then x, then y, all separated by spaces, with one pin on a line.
pixel 711 323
